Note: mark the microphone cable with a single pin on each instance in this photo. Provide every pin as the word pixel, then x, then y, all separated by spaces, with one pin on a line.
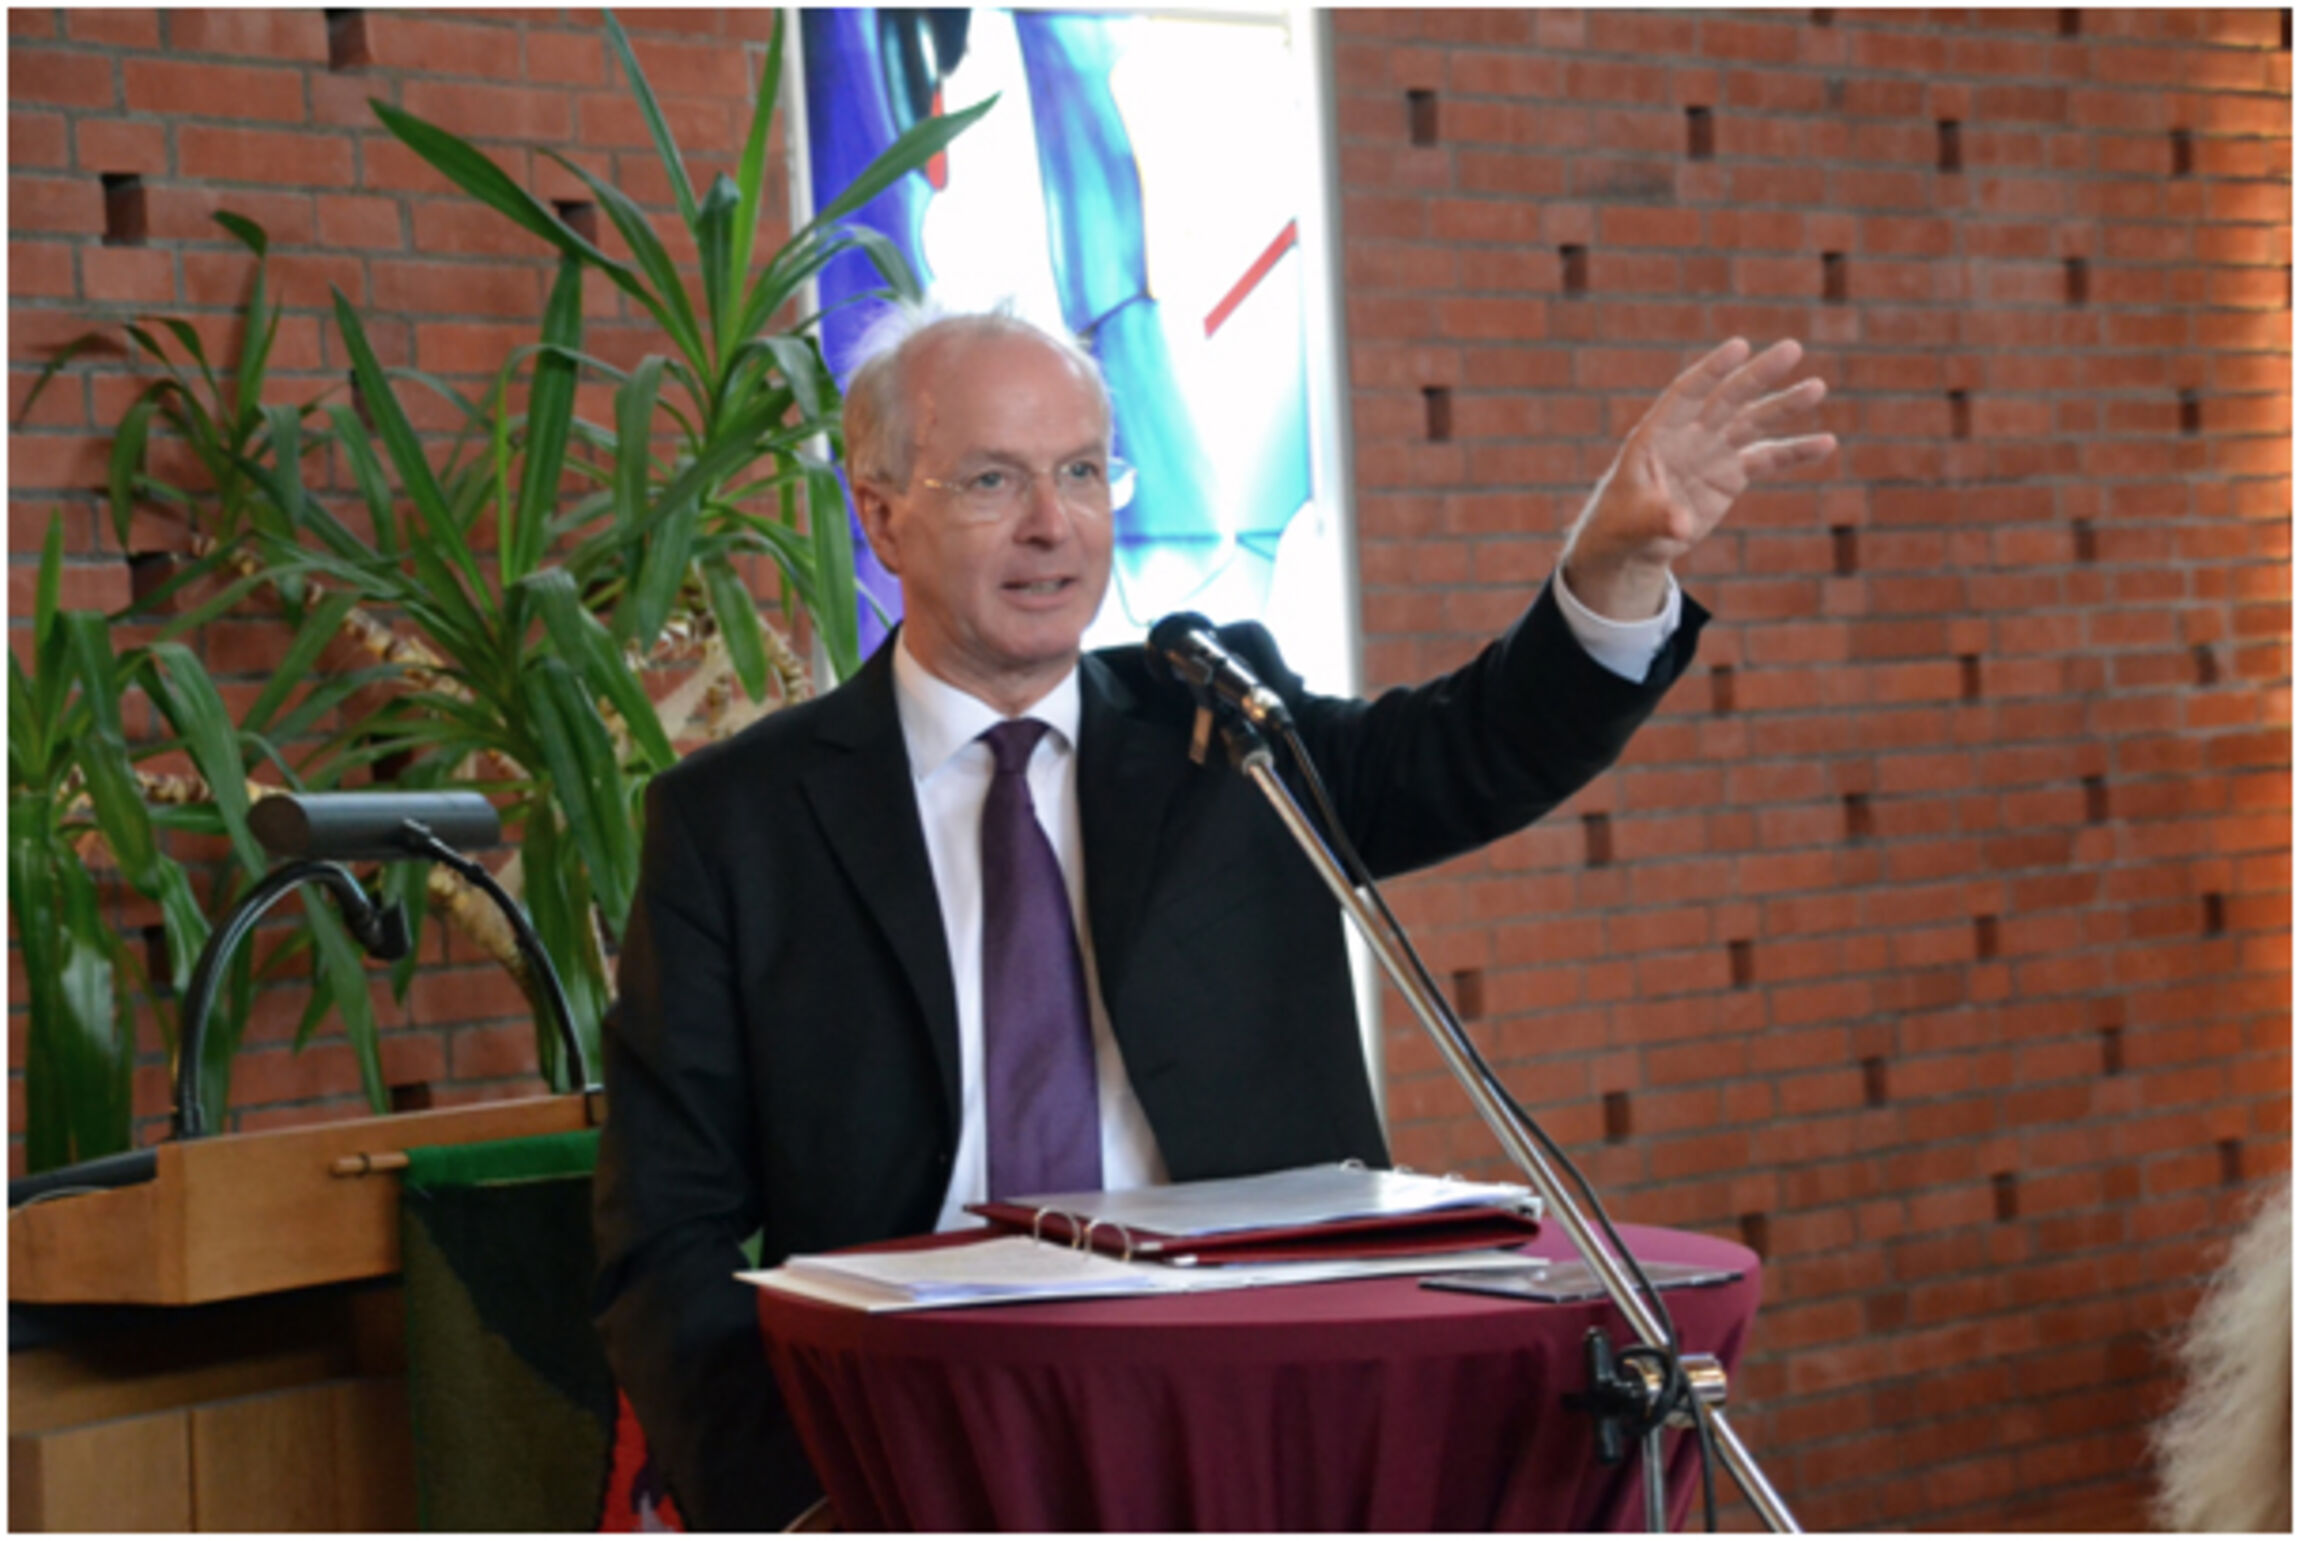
pixel 1676 1390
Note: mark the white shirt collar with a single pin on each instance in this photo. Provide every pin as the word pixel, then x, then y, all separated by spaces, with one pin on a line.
pixel 939 719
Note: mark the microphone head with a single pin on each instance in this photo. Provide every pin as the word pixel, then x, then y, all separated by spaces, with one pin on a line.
pixel 1168 637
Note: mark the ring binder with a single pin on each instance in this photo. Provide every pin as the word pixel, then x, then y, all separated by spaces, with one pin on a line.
pixel 1085 1237
pixel 1308 1212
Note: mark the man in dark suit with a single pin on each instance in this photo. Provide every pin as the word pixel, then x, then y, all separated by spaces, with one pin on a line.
pixel 816 1011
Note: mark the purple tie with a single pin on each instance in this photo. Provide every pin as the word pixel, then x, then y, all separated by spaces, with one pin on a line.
pixel 1037 1049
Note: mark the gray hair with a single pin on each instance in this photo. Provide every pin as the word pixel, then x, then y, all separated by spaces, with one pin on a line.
pixel 881 436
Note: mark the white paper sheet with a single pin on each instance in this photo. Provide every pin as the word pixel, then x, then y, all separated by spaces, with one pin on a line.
pixel 1301 1196
pixel 1009 1270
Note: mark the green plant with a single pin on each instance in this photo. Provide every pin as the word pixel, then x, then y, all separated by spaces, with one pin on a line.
pixel 548 647
pixel 514 600
pixel 73 780
pixel 82 797
pixel 676 527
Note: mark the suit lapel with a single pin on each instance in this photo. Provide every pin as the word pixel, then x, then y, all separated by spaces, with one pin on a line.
pixel 869 811
pixel 1128 771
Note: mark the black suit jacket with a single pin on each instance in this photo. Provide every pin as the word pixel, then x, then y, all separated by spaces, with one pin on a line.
pixel 784 1058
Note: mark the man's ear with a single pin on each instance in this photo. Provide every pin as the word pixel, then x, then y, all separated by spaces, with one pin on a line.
pixel 877 517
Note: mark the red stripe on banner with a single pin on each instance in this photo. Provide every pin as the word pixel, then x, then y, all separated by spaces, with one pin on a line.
pixel 937 164
pixel 1254 275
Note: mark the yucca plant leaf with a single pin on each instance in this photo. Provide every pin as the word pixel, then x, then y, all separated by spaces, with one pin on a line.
pixel 558 887
pixel 189 341
pixel 102 749
pixel 183 622
pixel 33 857
pixel 752 387
pixel 446 547
pixel 591 650
pixel 793 553
pixel 256 339
pixel 738 616
pixel 550 404
pixel 798 263
pixel 590 361
pixel 887 257
pixel 456 159
pixel 188 698
pixel 660 131
pixel 124 466
pixel 736 443
pixel 299 664
pixel 662 573
pixel 201 569
pixel 404 883
pixel 278 508
pixel 227 1025
pixel 787 273
pixel 634 426
pixel 834 569
pixel 587 510
pixel 50 582
pixel 186 923
pixel 367 475
pixel 666 300
pixel 250 234
pixel 474 415
pixel 57 362
pixel 283 477
pixel 751 171
pixel 28 741
pixel 313 515
pixel 587 781
pixel 714 245
pixel 92 1035
pixel 339 960
pixel 809 383
pixel 916 145
pixel 319 995
pixel 325 696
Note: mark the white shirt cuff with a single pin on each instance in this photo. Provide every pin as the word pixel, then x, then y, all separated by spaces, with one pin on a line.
pixel 1628 648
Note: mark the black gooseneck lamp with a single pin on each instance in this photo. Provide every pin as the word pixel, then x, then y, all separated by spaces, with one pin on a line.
pixel 318 832
pixel 322 830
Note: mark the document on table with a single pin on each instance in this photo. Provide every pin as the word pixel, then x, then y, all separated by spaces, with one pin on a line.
pixel 1305 1214
pixel 1012 1269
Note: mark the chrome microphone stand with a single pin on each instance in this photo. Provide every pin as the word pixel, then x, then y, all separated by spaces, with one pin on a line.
pixel 1250 753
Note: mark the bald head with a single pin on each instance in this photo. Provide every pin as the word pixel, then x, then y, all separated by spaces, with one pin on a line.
pixel 908 347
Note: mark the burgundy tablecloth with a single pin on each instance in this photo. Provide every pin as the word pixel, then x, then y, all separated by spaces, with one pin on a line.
pixel 1376 1405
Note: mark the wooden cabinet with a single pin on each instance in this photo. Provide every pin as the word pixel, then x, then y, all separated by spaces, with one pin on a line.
pixel 222 1348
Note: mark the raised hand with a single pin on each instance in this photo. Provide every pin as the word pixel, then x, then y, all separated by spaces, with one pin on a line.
pixel 1720 425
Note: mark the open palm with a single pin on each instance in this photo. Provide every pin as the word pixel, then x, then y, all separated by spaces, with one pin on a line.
pixel 1722 424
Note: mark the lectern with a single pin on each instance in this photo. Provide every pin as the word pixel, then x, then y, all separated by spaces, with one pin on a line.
pixel 220 1347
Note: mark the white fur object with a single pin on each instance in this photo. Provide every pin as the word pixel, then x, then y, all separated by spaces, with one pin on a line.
pixel 2224 1453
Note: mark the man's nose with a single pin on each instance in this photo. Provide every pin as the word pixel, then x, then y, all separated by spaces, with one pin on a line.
pixel 1045 520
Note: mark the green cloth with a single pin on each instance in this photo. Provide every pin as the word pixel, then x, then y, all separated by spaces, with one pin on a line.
pixel 513 1404
pixel 504 1161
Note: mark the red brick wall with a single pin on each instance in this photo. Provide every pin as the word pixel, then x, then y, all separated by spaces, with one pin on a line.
pixel 242 110
pixel 1936 939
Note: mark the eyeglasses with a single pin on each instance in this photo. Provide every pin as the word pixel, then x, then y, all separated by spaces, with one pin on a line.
pixel 1088 484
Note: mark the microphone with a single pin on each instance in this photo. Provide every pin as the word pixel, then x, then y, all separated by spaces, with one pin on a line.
pixel 1184 644
pixel 370 826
